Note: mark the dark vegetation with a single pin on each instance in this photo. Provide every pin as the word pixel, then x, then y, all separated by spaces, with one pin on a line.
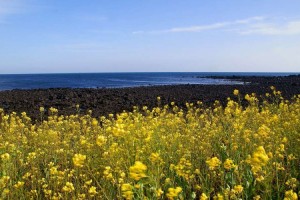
pixel 105 101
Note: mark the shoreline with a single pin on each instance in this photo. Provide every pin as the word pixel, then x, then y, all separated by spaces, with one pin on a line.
pixel 104 101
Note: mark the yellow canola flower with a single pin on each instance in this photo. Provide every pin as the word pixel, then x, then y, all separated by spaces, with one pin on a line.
pixel 5 192
pixel 101 140
pixel 213 163
pixel 88 182
pixel 93 191
pixel 203 197
pixel 5 156
pixel 173 192
pixel 82 197
pixel 69 187
pixel 159 192
pixel 183 168
pixel 78 160
pixel 238 189
pixel 218 197
pixel 31 156
pixel 47 192
pixel 107 173
pixel 19 184
pixel 94 122
pixel 53 170
pixel 155 158
pixel 259 159
pixel 292 182
pixel 284 140
pixel 236 92
pixel 228 164
pixel 137 171
pixel 3 181
pixel 290 195
pixel 42 109
pixel 126 189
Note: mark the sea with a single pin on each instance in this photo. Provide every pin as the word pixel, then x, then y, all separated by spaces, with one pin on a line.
pixel 118 80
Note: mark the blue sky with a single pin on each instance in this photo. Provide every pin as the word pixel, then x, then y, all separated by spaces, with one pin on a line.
pixel 54 36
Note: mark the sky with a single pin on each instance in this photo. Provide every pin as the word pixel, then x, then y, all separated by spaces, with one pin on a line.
pixel 67 36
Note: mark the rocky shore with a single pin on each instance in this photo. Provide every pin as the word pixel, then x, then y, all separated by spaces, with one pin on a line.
pixel 105 101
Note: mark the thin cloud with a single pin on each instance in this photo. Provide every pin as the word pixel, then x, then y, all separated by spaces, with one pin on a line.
pixel 201 28
pixel 198 28
pixel 250 20
pixel 287 28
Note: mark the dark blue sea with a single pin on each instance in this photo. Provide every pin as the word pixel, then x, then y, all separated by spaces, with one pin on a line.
pixel 116 80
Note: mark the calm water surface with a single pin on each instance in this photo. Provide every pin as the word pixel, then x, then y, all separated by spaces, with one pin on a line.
pixel 115 80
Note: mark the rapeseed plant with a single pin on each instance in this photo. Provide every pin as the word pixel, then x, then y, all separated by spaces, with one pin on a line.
pixel 218 152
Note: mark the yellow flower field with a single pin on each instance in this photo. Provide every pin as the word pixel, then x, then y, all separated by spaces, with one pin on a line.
pixel 199 152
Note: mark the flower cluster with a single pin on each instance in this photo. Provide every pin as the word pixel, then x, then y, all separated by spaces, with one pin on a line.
pixel 258 160
pixel 79 160
pixel 213 163
pixel 137 171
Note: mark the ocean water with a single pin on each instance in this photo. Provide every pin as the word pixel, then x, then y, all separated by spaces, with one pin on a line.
pixel 115 80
